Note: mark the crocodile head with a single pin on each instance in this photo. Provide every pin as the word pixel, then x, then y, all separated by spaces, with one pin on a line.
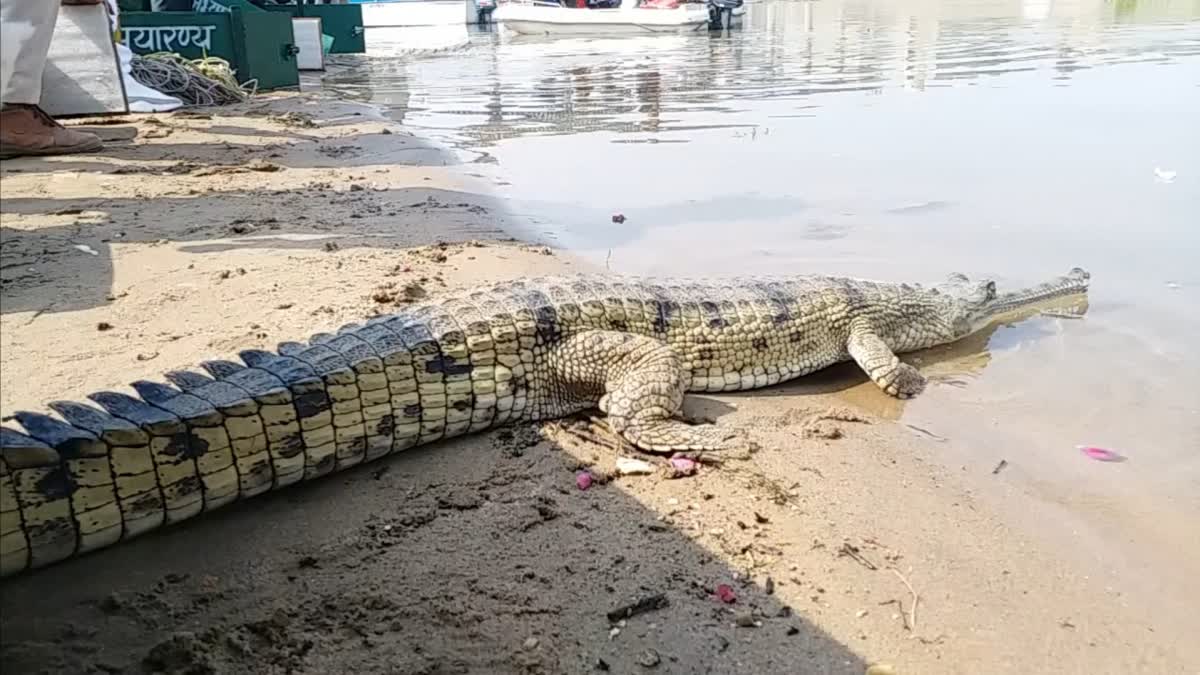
pixel 972 305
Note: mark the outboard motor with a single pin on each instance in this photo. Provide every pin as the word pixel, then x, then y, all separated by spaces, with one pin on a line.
pixel 480 11
pixel 720 13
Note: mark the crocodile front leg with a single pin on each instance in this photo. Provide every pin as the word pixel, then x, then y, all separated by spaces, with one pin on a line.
pixel 641 383
pixel 881 364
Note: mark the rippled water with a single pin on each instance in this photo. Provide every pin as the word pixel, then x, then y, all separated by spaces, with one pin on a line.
pixel 897 140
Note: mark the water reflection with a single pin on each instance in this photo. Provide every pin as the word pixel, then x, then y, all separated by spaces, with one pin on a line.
pixel 503 87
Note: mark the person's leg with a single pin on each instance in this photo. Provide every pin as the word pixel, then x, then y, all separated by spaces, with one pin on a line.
pixel 26 28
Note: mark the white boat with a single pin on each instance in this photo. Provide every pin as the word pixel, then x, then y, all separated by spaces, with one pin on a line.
pixel 542 18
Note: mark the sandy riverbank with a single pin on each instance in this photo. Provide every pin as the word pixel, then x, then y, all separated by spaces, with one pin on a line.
pixel 210 234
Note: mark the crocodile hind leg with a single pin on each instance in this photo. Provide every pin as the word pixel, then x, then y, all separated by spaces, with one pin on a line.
pixel 640 383
pixel 882 365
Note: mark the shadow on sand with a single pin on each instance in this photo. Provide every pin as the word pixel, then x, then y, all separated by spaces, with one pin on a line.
pixel 473 556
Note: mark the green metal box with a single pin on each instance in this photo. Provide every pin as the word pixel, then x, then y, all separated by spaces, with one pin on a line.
pixel 258 45
pixel 344 23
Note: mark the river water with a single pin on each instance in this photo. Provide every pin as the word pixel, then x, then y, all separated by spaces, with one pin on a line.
pixel 898 140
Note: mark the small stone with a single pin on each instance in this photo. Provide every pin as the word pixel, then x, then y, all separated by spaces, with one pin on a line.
pixel 649 659
pixel 613 632
pixel 744 618
pixel 113 602
pixel 792 630
pixel 103 326
pixel 531 643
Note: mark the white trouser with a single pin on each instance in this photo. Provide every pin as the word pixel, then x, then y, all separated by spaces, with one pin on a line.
pixel 26 27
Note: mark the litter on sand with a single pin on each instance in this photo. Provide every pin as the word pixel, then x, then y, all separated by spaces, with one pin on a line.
pixel 1101 454
pixel 726 595
pixel 584 480
pixel 1164 175
pixel 682 466
pixel 85 248
pixel 628 466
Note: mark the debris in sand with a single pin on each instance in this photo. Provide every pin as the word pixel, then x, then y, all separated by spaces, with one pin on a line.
pixel 103 326
pixel 822 429
pixel 682 466
pixel 1101 454
pixel 530 643
pixel 618 218
pixel 649 659
pixel 745 619
pixel 853 552
pixel 414 291
pixel 911 621
pixel 641 606
pixel 330 246
pixel 85 248
pixel 1000 467
pixel 384 294
pixel 628 466
pixel 583 480
pixel 725 594
pixel 880 669
pixel 930 434
pixel 1162 175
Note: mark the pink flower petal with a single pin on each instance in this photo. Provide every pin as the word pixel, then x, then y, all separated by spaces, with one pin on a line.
pixel 1101 454
pixel 683 466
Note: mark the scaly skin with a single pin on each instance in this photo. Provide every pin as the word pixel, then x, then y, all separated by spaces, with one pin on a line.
pixel 524 350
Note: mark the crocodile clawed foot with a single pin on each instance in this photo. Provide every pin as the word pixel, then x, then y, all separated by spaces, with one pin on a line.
pixel 904 382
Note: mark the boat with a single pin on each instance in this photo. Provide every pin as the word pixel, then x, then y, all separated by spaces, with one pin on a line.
pixel 631 17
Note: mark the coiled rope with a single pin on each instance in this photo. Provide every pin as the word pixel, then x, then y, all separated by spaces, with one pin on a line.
pixel 206 81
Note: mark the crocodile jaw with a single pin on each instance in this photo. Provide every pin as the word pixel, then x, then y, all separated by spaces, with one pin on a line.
pixel 1021 301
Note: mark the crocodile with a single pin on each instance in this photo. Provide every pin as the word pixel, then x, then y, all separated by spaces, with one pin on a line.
pixel 519 351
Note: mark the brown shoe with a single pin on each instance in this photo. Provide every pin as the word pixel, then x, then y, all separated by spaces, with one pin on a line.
pixel 28 130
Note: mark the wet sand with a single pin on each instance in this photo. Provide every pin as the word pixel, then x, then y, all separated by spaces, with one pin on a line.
pixel 269 222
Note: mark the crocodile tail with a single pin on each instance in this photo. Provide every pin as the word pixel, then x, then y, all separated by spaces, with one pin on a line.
pixel 123 465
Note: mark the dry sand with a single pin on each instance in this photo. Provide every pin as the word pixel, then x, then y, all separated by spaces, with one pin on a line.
pixel 268 222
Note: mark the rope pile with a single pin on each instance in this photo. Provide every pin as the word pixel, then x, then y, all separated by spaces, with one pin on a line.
pixel 204 82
